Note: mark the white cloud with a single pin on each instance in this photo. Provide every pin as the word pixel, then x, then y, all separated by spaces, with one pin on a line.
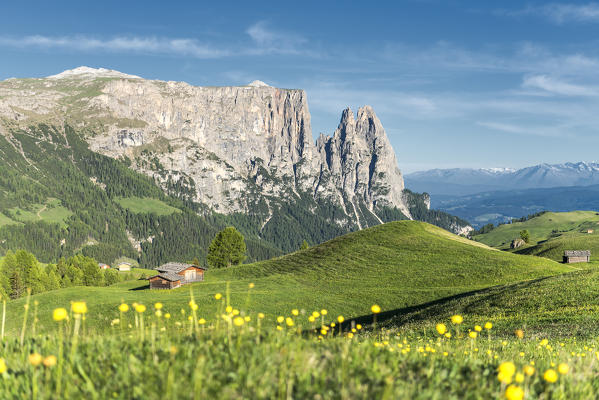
pixel 524 130
pixel 269 41
pixel 263 41
pixel 552 85
pixel 148 45
pixel 562 13
pixel 559 13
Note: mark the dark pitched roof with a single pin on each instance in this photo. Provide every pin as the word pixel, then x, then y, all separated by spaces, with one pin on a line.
pixel 168 276
pixel 176 267
pixel 577 253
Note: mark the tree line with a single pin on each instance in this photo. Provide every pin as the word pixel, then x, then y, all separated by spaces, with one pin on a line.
pixel 20 271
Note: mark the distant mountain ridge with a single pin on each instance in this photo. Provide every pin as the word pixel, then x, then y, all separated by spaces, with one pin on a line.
pixel 467 181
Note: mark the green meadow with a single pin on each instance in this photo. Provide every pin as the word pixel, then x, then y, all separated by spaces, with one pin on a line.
pixel 146 205
pixel 541 228
pixel 395 265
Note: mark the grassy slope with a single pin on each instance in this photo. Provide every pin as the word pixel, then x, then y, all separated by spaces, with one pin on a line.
pixel 4 220
pixel 540 228
pixel 554 248
pixel 563 305
pixel 395 265
pixel 146 205
pixel 51 212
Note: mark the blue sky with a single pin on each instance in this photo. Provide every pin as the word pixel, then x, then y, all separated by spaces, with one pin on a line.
pixel 455 83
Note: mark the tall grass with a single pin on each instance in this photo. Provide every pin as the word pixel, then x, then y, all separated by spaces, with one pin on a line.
pixel 234 354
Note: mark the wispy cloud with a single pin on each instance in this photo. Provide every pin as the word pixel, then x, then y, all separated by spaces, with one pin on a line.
pixel 556 86
pixel 560 13
pixel 147 45
pixel 522 129
pixel 270 41
pixel 260 40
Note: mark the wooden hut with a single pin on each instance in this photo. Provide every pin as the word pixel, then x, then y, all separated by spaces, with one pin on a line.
pixel 172 275
pixel 103 266
pixel 576 256
pixel 124 266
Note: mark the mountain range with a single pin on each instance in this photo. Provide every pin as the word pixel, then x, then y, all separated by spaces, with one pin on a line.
pixel 499 195
pixel 466 181
pixel 240 155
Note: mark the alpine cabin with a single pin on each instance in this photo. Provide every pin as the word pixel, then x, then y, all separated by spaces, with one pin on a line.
pixel 576 256
pixel 173 275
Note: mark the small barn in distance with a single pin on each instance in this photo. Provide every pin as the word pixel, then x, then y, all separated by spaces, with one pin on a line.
pixel 103 266
pixel 172 275
pixel 123 266
pixel 576 256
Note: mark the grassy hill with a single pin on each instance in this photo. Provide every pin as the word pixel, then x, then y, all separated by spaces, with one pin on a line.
pixel 542 228
pixel 395 265
pixel 566 305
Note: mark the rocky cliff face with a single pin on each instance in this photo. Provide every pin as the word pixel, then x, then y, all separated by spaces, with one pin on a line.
pixel 234 147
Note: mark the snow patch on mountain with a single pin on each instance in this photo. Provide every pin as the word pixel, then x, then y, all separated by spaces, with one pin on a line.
pixel 88 72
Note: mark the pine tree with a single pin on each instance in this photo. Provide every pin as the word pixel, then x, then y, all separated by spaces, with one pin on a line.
pixel 228 248
pixel 305 245
pixel 16 285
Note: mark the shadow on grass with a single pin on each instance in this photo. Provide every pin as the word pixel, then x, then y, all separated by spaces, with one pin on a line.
pixel 145 286
pixel 401 316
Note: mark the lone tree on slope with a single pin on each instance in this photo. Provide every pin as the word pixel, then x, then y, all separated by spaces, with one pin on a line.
pixel 227 248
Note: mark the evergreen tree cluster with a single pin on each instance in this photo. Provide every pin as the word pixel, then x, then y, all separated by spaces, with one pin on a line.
pixel 20 271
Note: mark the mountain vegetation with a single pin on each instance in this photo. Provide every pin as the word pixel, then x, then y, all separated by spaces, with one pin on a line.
pixel 58 198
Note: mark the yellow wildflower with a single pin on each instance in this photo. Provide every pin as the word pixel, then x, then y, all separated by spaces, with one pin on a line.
pixel 229 309
pixel 79 307
pixel 375 309
pixel 519 377
pixel 238 321
pixel 457 319
pixel 218 296
pixel 3 367
pixel 261 315
pixel 563 368
pixel 158 313
pixel 359 326
pixel 473 335
pixel 441 329
pixel 251 285
pixel 59 314
pixel 448 335
pixel 514 393
pixel 158 306
pixel 488 326
pixel 311 318
pixel 49 361
pixel 35 359
pixel 167 315
pixel 324 312
pixel 280 319
pixel 519 333
pixel 529 370
pixel 289 321
pixel 340 319
pixel 202 321
pixel 550 376
pixel 123 308
pixel 295 312
pixel 478 328
pixel 140 308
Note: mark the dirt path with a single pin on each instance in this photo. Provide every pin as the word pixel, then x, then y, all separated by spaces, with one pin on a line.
pixel 41 211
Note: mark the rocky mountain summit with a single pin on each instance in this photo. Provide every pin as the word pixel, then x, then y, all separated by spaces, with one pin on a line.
pixel 246 149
